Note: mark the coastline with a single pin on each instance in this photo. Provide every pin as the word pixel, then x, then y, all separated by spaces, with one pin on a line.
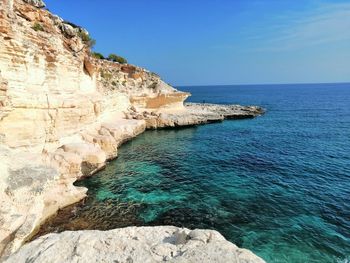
pixel 217 241
pixel 196 116
pixel 64 113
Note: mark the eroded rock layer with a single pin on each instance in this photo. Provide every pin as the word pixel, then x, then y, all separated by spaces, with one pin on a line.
pixel 63 114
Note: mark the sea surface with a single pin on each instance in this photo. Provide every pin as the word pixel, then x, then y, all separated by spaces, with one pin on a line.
pixel 278 185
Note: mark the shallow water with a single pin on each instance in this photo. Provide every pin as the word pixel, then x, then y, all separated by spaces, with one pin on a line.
pixel 278 185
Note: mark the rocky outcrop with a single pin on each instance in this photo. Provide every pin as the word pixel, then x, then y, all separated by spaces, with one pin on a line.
pixel 193 114
pixel 29 191
pixel 129 79
pixel 226 111
pixel 36 3
pixel 134 244
pixel 63 114
pixel 161 101
pixel 33 186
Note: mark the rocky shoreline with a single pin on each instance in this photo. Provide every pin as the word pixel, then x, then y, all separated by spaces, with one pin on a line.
pixel 134 244
pixel 38 184
pixel 64 113
pixel 42 189
pixel 194 114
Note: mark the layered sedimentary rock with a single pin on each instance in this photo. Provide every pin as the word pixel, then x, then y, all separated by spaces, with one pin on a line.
pixel 50 85
pixel 63 114
pixel 135 244
pixel 55 119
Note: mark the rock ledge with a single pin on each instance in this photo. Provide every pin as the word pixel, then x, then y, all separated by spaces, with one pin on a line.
pixel 134 244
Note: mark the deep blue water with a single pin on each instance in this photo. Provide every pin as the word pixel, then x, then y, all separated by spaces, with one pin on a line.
pixel 278 185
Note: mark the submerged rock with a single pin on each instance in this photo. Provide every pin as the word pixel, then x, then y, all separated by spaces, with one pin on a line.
pixel 134 244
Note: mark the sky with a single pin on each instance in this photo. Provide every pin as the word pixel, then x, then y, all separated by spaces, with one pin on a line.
pixel 221 42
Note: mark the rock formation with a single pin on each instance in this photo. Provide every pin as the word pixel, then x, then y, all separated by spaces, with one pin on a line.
pixel 63 114
pixel 134 244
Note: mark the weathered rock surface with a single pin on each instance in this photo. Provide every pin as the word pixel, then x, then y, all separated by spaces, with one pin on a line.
pixel 50 84
pixel 33 186
pixel 30 190
pixel 226 111
pixel 134 244
pixel 193 114
pixel 63 114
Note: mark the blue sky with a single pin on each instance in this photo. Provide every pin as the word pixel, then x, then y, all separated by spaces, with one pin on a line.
pixel 203 42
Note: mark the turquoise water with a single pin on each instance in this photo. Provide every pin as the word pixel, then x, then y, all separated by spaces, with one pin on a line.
pixel 278 185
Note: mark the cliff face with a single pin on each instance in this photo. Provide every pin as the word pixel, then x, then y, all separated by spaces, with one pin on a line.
pixel 53 87
pixel 45 78
pixel 63 114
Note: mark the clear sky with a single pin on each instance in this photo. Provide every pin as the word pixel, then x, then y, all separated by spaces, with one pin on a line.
pixel 203 42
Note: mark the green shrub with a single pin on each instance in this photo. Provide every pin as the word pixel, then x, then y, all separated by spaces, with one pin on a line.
pixel 90 42
pixel 98 55
pixel 116 58
pixel 38 27
pixel 114 83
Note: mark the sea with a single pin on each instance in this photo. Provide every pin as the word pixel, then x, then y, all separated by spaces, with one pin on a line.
pixel 278 185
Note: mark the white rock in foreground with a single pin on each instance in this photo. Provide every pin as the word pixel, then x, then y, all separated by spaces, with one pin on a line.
pixel 134 244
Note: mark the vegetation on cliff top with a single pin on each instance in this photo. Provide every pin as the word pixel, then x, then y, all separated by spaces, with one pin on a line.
pixel 116 58
pixel 90 42
pixel 111 57
pixel 97 55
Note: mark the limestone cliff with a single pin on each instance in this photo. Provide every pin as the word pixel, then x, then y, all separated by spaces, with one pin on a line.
pixel 63 114
pixel 53 87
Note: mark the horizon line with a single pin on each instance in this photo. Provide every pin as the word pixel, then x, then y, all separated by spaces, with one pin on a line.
pixel 264 84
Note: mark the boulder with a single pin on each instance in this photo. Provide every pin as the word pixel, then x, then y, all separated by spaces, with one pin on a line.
pixel 68 30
